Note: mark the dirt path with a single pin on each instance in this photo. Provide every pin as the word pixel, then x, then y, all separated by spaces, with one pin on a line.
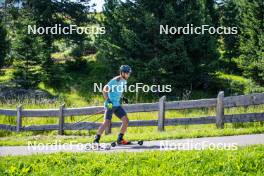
pixel 224 142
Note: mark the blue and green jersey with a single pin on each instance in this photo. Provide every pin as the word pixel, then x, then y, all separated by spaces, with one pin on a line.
pixel 116 88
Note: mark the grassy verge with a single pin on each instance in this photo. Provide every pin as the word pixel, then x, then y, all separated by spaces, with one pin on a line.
pixel 244 161
pixel 140 133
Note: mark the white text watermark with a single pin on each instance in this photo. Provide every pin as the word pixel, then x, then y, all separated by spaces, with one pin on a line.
pixel 203 29
pixel 98 87
pixel 59 29
pixel 192 145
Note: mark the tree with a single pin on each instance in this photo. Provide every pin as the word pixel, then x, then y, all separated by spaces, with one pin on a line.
pixel 230 16
pixel 28 57
pixel 251 47
pixel 44 14
pixel 4 43
pixel 48 13
pixel 133 37
pixel 213 11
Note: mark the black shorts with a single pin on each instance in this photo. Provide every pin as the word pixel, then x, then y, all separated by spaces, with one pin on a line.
pixel 117 110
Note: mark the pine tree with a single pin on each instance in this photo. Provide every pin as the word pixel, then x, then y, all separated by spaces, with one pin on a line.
pixel 252 40
pixel 46 14
pixel 4 43
pixel 230 17
pixel 133 37
pixel 28 57
pixel 213 11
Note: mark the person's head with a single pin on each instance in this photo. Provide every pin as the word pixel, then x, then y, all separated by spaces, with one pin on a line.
pixel 125 71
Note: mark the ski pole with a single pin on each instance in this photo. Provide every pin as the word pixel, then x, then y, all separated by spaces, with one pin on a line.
pixel 88 117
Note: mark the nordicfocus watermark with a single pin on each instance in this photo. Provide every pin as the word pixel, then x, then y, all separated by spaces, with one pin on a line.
pixel 98 87
pixel 58 29
pixel 57 145
pixel 192 145
pixel 203 29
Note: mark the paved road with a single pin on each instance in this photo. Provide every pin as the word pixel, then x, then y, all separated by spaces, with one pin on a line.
pixel 224 142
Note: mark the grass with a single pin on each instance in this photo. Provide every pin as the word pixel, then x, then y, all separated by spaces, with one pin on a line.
pixel 243 161
pixel 76 91
pixel 233 77
pixel 134 133
pixel 237 84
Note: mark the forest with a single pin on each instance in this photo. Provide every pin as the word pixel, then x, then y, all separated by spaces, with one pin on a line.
pixel 203 59
pixel 195 65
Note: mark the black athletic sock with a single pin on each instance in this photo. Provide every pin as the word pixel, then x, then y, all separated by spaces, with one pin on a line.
pixel 97 138
pixel 120 137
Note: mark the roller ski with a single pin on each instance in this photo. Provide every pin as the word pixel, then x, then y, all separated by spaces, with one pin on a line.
pixel 124 142
pixel 97 146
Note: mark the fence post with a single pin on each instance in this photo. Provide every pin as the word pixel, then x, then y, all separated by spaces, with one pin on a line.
pixel 19 118
pixel 161 117
pixel 61 120
pixel 220 110
pixel 108 129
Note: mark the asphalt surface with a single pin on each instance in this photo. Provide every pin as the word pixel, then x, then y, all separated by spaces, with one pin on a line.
pixel 221 143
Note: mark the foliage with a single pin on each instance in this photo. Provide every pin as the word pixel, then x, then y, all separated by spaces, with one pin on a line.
pixel 42 14
pixel 28 52
pixel 187 62
pixel 243 161
pixel 133 37
pixel 4 43
pixel 233 84
pixel 230 17
pixel 251 59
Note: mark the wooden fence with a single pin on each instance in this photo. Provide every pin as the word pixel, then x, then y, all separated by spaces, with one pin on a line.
pixel 219 103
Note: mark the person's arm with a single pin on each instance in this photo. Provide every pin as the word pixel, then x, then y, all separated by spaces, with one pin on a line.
pixel 107 88
pixel 108 104
pixel 105 92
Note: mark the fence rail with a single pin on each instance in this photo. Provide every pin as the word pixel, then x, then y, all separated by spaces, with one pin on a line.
pixel 219 103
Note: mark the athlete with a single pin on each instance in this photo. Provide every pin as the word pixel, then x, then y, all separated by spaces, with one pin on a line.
pixel 112 93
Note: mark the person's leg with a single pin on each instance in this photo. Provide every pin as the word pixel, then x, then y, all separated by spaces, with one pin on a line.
pixel 124 125
pixel 103 126
pixel 120 113
pixel 101 130
pixel 107 116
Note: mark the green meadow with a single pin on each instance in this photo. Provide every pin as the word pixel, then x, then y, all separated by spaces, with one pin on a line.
pixel 243 161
